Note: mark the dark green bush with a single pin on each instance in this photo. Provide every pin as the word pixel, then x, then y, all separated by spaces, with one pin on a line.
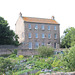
pixel 45 51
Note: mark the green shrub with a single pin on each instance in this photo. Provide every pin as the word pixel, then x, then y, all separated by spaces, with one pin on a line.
pixel 56 63
pixel 12 56
pixel 69 60
pixel 56 69
pixel 15 51
pixel 45 51
pixel 5 64
pixel 38 73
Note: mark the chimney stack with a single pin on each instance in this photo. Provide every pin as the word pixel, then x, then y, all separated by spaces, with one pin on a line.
pixel 53 18
pixel 20 14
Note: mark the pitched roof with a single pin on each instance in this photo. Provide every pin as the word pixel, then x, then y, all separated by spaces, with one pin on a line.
pixel 39 20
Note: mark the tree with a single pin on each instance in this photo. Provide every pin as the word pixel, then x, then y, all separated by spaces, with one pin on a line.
pixel 68 39
pixel 69 59
pixel 7 36
pixel 45 51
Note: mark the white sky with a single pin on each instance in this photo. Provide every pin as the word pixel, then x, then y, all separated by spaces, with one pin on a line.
pixel 63 10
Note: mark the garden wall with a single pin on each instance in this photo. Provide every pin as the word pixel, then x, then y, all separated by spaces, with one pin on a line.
pixel 8 49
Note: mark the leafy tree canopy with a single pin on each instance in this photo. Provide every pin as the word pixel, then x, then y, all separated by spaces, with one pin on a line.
pixel 7 36
pixel 68 39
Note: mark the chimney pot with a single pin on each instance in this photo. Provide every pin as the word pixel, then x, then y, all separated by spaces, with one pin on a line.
pixel 53 18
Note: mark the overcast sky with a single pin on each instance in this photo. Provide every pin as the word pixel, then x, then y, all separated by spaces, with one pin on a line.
pixel 63 10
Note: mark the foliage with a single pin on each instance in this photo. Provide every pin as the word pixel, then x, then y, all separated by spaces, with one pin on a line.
pixel 21 56
pixel 20 72
pixel 5 64
pixel 15 51
pixel 68 39
pixel 45 51
pixel 69 60
pixel 7 36
pixel 60 62
pixel 56 63
pixel 56 69
pixel 12 56
pixel 38 73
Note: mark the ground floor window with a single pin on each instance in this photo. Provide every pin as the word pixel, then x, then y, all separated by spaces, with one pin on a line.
pixel 36 44
pixel 30 45
pixel 55 45
pixel 43 44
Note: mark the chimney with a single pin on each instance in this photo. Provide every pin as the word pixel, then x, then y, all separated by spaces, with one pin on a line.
pixel 53 18
pixel 20 14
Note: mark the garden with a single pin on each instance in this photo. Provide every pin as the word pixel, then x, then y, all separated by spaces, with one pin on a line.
pixel 46 61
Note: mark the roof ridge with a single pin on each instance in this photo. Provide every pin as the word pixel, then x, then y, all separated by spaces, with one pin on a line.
pixel 37 17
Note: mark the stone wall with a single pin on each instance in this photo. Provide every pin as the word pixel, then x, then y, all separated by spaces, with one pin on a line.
pixel 8 49
pixel 27 52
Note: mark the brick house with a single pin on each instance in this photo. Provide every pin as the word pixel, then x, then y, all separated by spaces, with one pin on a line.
pixel 35 32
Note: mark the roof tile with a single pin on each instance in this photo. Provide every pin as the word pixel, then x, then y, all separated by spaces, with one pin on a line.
pixel 39 20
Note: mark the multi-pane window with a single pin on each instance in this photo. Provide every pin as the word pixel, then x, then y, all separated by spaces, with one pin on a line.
pixel 55 45
pixel 36 44
pixel 55 36
pixel 30 45
pixel 29 35
pixel 49 36
pixel 36 26
pixel 29 26
pixel 36 35
pixel 43 35
pixel 48 27
pixel 42 27
pixel 43 44
pixel 54 27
